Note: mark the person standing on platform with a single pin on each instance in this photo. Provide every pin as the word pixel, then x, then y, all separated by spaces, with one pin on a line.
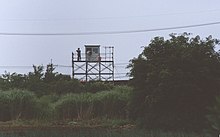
pixel 78 54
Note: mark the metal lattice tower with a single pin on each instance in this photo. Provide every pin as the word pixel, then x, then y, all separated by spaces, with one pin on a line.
pixel 92 65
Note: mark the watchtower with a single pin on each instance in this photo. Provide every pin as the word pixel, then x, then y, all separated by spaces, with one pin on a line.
pixel 93 65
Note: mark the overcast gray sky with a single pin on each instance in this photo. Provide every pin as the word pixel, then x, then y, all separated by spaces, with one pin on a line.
pixel 76 16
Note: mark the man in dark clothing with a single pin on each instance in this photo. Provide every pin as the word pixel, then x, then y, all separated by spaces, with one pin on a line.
pixel 78 54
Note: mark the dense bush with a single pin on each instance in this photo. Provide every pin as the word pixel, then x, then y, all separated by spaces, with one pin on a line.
pixel 67 86
pixel 175 80
pixel 96 86
pixel 39 88
pixel 11 81
pixel 214 118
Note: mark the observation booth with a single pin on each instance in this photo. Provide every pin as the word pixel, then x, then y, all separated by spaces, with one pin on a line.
pixel 92 53
pixel 93 65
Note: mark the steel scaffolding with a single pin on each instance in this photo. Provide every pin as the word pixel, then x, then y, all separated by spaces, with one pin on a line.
pixel 93 65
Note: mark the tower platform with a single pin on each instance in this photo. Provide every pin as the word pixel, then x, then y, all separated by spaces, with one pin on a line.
pixel 92 65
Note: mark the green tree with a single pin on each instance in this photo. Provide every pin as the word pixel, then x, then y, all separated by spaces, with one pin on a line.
pixel 35 81
pixel 175 80
pixel 50 74
pixel 37 74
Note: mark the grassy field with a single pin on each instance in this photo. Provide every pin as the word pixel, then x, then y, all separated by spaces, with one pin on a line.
pixel 95 133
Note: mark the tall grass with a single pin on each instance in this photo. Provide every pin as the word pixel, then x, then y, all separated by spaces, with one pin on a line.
pixel 112 104
pixel 16 104
pixel 45 109
pixel 19 104
pixel 73 106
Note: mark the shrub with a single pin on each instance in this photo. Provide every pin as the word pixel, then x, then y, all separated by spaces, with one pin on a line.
pixel 39 88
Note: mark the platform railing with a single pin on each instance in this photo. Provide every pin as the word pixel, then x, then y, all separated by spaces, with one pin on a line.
pixel 100 57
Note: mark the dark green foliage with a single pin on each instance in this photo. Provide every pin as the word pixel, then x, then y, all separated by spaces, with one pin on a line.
pixel 42 83
pixel 35 81
pixel 175 81
pixel 4 84
pixel 18 81
pixel 49 74
pixel 214 118
pixel 67 86
pixel 49 82
pixel 40 88
pixel 37 74
pixel 14 80
pixel 96 86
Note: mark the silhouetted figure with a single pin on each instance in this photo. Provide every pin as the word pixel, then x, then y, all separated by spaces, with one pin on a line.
pixel 78 54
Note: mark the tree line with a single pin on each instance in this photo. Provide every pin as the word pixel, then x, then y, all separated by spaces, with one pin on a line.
pixel 44 82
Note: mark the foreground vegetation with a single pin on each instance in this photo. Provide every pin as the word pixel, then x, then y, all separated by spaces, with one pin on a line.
pixel 175 87
pixel 19 104
pixel 98 133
